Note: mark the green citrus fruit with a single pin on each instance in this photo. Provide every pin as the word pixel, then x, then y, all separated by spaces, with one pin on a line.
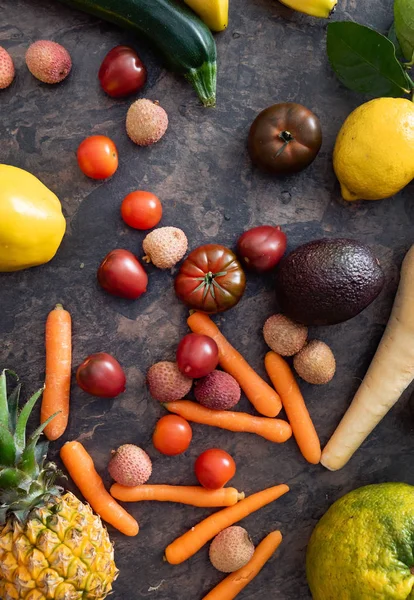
pixel 362 548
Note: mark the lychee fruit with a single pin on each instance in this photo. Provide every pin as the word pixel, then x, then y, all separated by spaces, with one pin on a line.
pixel 7 71
pixel 165 247
pixel 231 549
pixel 166 382
pixel 284 336
pixel 217 390
pixel 315 363
pixel 146 122
pixel 48 61
pixel 130 465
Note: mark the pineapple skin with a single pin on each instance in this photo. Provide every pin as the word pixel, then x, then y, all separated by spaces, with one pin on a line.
pixel 62 552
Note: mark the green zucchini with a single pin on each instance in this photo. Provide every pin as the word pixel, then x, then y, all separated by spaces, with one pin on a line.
pixel 184 41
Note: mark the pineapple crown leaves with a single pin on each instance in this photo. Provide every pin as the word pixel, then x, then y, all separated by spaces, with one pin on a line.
pixel 25 480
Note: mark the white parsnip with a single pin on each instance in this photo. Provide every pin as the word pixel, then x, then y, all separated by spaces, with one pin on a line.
pixel 390 373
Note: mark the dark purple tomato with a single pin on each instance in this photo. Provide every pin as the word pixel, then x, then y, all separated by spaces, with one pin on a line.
pixel 261 248
pixel 101 375
pixel 122 72
pixel 285 138
pixel 121 274
pixel 197 355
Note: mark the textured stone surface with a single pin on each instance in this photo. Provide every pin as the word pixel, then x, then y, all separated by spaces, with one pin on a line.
pixel 202 173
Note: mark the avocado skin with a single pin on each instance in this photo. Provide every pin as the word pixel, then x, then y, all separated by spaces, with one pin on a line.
pixel 328 281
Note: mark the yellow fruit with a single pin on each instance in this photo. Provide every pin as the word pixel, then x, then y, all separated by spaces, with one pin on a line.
pixel 374 151
pixel 52 546
pixel 214 13
pixel 315 8
pixel 361 549
pixel 31 221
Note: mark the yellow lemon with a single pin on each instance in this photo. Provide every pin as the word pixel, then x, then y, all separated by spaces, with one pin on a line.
pixel 31 221
pixel 374 151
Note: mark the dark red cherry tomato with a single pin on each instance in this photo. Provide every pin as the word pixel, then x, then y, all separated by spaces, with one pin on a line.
pixel 101 375
pixel 210 279
pixel 214 468
pixel 285 138
pixel 121 274
pixel 197 355
pixel 261 248
pixel 122 72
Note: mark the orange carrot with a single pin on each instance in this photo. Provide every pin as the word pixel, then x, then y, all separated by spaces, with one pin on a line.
pixel 265 400
pixel 274 430
pixel 234 583
pixel 303 429
pixel 193 495
pixel 58 368
pixel 188 544
pixel 82 470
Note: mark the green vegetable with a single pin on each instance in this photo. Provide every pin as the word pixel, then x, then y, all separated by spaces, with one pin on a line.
pixel 365 61
pixel 404 26
pixel 184 41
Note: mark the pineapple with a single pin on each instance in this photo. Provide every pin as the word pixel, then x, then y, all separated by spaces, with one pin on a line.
pixel 52 546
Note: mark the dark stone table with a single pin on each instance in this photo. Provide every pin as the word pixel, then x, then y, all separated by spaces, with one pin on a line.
pixel 202 173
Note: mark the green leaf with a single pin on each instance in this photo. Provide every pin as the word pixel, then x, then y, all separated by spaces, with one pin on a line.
pixel 20 433
pixel 13 402
pixel 7 448
pixel 28 462
pixel 4 408
pixel 392 36
pixel 14 479
pixel 404 26
pixel 365 61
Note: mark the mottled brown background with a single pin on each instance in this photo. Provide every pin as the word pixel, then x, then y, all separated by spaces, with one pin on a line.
pixel 203 175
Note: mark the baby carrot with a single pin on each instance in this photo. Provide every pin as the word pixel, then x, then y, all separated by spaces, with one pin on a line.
pixel 265 400
pixel 274 430
pixel 234 583
pixel 303 429
pixel 193 495
pixel 188 544
pixel 58 368
pixel 82 470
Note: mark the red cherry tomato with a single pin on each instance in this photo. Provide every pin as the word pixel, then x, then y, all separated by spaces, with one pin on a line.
pixel 121 274
pixel 261 248
pixel 172 435
pixel 101 375
pixel 214 468
pixel 197 355
pixel 122 72
pixel 141 210
pixel 98 157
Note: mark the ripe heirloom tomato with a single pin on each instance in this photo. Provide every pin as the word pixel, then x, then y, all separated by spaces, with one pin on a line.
pixel 214 468
pixel 121 274
pixel 98 157
pixel 122 72
pixel 101 375
pixel 261 248
pixel 210 279
pixel 141 210
pixel 172 435
pixel 197 355
pixel 285 138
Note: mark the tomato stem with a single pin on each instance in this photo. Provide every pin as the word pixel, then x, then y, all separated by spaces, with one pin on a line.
pixel 286 137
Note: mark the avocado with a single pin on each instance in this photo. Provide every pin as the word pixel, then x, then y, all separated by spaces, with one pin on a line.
pixel 328 281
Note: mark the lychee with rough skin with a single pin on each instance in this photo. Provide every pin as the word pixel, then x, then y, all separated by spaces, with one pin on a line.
pixel 217 390
pixel 146 122
pixel 284 336
pixel 165 247
pixel 315 363
pixel 48 61
pixel 231 549
pixel 166 382
pixel 130 465
pixel 7 71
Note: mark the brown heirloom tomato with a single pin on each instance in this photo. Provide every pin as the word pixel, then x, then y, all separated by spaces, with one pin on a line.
pixel 210 279
pixel 285 138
